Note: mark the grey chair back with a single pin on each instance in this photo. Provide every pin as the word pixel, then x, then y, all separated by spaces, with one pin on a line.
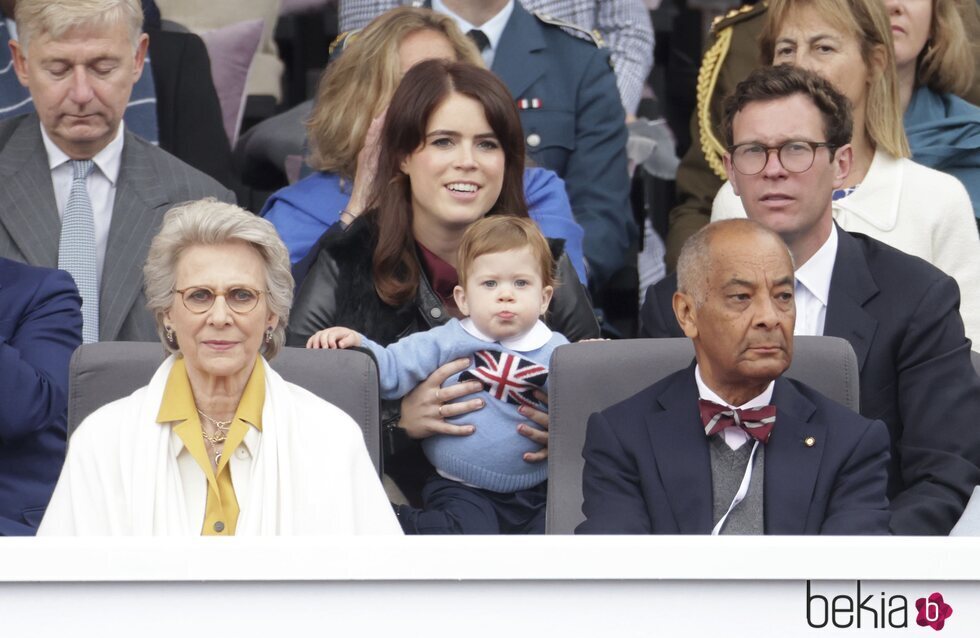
pixel 103 372
pixel 969 523
pixel 589 377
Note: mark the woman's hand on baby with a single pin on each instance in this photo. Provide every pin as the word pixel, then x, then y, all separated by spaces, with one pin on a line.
pixel 540 437
pixel 335 338
pixel 426 408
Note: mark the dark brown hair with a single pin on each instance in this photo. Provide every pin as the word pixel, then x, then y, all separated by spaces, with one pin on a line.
pixel 423 89
pixel 775 82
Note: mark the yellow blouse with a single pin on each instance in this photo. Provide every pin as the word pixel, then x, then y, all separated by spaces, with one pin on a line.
pixel 178 408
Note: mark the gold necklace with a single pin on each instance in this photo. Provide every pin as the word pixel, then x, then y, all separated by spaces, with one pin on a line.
pixel 221 425
pixel 219 437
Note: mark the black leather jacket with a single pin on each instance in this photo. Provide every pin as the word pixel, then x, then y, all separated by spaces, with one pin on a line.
pixel 339 291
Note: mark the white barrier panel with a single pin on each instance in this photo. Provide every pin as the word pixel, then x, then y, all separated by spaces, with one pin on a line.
pixel 489 586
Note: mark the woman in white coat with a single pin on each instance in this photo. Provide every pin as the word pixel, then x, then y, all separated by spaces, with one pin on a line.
pixel 218 443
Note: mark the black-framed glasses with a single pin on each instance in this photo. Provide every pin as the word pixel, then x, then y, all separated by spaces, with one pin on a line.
pixel 796 156
pixel 240 299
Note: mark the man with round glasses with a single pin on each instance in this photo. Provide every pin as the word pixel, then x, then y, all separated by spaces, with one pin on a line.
pixel 788 132
pixel 796 156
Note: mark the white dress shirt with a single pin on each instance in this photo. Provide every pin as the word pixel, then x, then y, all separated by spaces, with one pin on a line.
pixel 813 287
pixel 733 437
pixel 101 185
pixel 492 28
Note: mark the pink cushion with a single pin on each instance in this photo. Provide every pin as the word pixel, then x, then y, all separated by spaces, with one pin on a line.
pixel 232 49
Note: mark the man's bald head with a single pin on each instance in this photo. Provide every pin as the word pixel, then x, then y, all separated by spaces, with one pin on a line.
pixel 694 262
pixel 735 302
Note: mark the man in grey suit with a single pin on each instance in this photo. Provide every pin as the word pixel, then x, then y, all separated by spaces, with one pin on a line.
pixel 77 190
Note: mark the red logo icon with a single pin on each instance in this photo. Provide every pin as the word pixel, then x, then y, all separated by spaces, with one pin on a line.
pixel 933 611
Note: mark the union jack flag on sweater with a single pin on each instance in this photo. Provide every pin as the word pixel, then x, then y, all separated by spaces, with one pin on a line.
pixel 508 377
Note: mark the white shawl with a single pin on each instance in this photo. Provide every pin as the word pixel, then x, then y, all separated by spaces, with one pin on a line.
pixel 311 474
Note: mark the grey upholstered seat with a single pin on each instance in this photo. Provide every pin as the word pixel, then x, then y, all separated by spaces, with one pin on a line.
pixel 104 372
pixel 969 523
pixel 588 377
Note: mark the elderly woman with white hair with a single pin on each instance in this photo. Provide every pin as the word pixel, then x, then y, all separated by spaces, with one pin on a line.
pixel 218 443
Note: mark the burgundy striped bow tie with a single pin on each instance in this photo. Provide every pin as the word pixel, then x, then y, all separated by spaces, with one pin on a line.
pixel 757 422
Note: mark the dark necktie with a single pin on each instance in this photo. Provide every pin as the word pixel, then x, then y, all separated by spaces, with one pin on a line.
pixel 480 39
pixel 757 422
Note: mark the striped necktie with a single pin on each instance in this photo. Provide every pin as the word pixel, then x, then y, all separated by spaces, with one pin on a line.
pixel 76 250
pixel 756 422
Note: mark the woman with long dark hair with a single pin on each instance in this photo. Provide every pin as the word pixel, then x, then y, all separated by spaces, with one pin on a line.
pixel 452 151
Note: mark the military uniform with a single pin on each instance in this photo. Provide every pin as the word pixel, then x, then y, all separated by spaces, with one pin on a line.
pixel 624 24
pixel 732 54
pixel 574 124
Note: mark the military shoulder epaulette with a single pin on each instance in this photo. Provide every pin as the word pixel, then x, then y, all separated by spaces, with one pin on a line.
pixel 735 16
pixel 591 35
pixel 343 40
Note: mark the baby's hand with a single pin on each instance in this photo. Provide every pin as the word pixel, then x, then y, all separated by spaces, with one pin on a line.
pixel 334 338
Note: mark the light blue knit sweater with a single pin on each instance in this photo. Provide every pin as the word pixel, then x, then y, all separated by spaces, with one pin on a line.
pixel 492 457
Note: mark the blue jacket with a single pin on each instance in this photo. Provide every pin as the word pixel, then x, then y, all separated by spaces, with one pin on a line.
pixel 305 210
pixel 40 327
pixel 578 131
pixel 944 134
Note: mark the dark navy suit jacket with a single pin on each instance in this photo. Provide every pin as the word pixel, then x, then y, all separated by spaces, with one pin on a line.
pixel 648 469
pixel 40 327
pixel 901 316
pixel 580 129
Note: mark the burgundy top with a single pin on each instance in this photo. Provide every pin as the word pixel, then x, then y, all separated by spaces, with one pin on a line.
pixel 442 276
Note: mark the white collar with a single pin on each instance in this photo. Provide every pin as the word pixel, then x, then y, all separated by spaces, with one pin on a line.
pixel 710 395
pixel 252 440
pixel 492 28
pixel 533 339
pixel 109 159
pixel 815 274
pixel 877 198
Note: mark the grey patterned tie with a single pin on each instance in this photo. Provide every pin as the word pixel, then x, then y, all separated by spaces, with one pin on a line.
pixel 76 250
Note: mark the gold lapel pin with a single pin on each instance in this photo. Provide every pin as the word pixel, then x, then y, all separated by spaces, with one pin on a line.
pixel 810 441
